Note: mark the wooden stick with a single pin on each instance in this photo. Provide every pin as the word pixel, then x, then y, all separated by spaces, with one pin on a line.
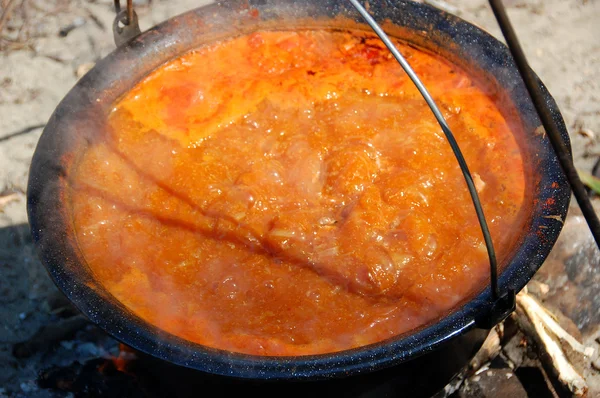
pixel 489 350
pixel 553 343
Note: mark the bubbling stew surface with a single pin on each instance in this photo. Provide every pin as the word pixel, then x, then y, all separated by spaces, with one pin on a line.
pixel 290 193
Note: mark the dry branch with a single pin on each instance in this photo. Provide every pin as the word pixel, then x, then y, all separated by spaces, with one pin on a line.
pixel 560 352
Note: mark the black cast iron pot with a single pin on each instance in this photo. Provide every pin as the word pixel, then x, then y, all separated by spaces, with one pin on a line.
pixel 417 363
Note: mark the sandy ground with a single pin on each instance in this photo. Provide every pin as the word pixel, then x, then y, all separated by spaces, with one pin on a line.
pixel 560 37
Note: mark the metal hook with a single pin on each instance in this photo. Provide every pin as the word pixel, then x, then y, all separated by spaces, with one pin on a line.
pixel 128 19
pixel 130 11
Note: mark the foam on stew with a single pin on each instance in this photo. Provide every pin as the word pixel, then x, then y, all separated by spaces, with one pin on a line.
pixel 290 193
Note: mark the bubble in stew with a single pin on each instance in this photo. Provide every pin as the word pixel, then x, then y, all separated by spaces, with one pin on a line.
pixel 290 193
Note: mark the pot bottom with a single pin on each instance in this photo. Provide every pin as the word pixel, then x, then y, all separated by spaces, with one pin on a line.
pixel 421 377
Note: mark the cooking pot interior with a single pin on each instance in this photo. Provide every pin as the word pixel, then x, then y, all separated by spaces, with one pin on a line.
pixel 81 117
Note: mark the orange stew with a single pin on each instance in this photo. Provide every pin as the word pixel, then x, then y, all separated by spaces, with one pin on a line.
pixel 290 193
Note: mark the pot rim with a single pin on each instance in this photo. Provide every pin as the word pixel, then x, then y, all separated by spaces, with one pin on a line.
pixel 96 91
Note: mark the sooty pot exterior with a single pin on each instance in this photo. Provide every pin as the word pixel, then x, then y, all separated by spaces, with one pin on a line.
pixel 426 358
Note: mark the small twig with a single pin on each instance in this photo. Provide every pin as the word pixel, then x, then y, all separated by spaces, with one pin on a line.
pixel 4 200
pixel 96 20
pixel 21 132
pixel 77 22
pixel 23 33
pixel 54 58
pixel 15 45
pixel 6 14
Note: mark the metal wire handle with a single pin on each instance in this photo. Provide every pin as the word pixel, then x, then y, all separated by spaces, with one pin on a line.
pixel 451 140
pixel 129 10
